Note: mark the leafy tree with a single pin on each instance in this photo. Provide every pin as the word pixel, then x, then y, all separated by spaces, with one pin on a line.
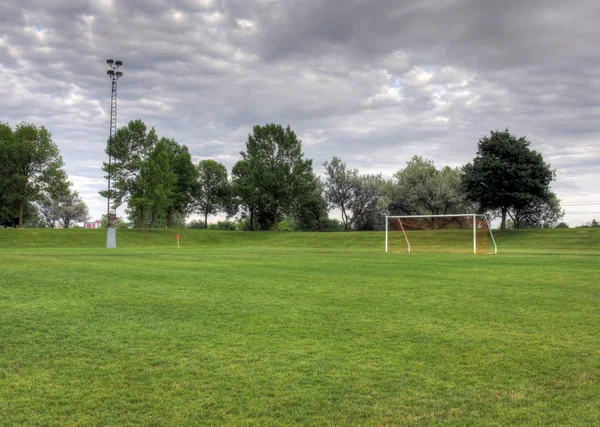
pixel 353 194
pixel 130 151
pixel 562 225
pixel 186 176
pixel 212 188
pixel 422 189
pixel 540 213
pixel 119 224
pixel 245 194
pixel 275 172
pixel 310 209
pixel 71 209
pixel 155 177
pixel 506 174
pixel 31 163
pixel 594 224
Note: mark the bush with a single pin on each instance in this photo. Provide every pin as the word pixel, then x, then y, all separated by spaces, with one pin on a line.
pixel 562 225
pixel 333 225
pixel 196 224
pixel 224 226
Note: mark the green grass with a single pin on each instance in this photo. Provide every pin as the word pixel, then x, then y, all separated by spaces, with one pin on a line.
pixel 296 328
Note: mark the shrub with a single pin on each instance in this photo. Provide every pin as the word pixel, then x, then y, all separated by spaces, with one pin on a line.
pixel 224 226
pixel 196 224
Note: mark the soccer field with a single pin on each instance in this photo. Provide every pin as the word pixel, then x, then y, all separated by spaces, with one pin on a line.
pixel 297 328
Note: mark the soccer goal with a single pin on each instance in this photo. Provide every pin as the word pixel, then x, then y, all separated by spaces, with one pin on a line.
pixel 464 233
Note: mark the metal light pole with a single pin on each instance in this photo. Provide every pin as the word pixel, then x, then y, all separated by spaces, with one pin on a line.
pixel 113 74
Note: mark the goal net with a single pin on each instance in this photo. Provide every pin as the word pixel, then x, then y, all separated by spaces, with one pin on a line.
pixel 468 233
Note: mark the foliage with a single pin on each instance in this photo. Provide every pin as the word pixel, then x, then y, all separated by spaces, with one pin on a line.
pixel 154 176
pixel 353 194
pixel 63 208
pixel 562 225
pixel 212 189
pixel 196 224
pixel 422 189
pixel 272 175
pixel 539 214
pixel 30 165
pixel 506 174
pixel 119 224
pixel 180 200
pixel 224 226
pixel 309 211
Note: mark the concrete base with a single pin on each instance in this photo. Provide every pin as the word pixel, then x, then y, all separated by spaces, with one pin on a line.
pixel 111 238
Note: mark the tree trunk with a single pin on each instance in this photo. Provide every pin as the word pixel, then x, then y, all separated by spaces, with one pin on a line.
pixel 170 218
pixel 206 220
pixel 142 218
pixel 21 208
pixel 251 219
pixel 503 223
pixel 275 225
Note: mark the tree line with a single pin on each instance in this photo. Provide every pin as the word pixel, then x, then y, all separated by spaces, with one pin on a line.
pixel 274 186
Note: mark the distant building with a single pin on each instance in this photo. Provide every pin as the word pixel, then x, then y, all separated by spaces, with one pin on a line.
pixel 93 224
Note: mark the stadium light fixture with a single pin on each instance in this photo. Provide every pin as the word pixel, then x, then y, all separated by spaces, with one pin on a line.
pixel 111 232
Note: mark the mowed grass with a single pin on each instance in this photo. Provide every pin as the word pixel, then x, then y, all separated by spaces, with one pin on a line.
pixel 297 328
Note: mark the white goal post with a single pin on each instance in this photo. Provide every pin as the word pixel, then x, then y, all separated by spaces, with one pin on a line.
pixel 478 220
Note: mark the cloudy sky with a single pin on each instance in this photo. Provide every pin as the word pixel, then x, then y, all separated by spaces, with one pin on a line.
pixel 371 81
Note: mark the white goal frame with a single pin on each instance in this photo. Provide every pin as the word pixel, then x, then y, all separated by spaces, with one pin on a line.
pixel 474 216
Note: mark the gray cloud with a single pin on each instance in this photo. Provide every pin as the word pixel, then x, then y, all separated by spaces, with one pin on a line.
pixel 373 82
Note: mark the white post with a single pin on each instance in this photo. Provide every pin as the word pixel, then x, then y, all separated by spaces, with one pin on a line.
pixel 386 234
pixel 492 234
pixel 405 236
pixel 474 234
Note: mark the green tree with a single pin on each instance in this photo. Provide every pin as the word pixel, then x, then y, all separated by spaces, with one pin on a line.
pixel 506 174
pixel 350 192
pixel 31 164
pixel 130 151
pixel 212 188
pixel 277 169
pixel 422 189
pixel 181 198
pixel 245 194
pixel 540 213
pixel 310 209
pixel 153 176
pixel 119 223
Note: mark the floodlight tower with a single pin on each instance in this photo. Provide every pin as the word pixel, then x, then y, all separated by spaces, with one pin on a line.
pixel 113 74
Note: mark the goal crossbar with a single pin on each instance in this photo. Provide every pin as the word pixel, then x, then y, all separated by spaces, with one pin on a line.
pixel 474 216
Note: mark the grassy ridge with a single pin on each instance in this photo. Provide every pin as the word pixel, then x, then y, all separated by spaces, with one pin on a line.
pixel 583 240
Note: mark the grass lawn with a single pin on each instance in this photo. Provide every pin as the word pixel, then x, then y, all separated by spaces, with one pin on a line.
pixel 297 328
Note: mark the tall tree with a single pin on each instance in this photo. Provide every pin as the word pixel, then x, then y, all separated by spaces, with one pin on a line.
pixel 422 189
pixel 310 209
pixel 350 192
pixel 181 200
pixel 540 213
pixel 71 209
pixel 506 174
pixel 277 169
pixel 245 193
pixel 143 172
pixel 212 188
pixel 31 164
pixel 130 151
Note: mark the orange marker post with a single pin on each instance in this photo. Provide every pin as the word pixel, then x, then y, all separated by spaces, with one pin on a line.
pixel 177 237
